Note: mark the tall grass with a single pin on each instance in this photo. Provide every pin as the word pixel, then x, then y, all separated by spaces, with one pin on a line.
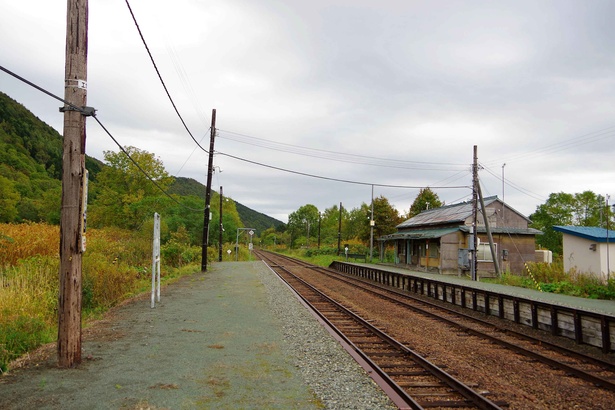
pixel 28 306
pixel 116 265
pixel 553 278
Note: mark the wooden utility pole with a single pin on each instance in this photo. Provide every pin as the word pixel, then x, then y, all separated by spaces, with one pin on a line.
pixel 73 170
pixel 210 171
pixel 494 254
pixel 474 245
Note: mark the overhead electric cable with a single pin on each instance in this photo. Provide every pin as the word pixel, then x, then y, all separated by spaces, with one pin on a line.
pixel 560 146
pixel 509 183
pixel 160 77
pixel 31 84
pixel 143 171
pixel 331 178
pixel 334 155
pixel 92 114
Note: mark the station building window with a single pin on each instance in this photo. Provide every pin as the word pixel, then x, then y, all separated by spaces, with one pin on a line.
pixel 483 252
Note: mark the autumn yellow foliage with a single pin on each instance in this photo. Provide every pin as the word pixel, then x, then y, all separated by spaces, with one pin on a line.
pixel 116 265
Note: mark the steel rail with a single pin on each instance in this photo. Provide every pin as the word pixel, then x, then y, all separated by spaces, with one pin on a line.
pixel 570 369
pixel 465 391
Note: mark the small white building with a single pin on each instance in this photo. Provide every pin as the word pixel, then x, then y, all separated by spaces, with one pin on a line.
pixel 589 250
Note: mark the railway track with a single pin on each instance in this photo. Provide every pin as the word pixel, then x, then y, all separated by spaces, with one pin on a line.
pixel 589 368
pixel 598 372
pixel 409 379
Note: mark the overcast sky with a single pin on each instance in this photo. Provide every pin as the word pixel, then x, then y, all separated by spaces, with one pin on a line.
pixel 390 93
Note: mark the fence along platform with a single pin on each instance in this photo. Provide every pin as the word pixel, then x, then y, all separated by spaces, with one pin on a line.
pixel 586 321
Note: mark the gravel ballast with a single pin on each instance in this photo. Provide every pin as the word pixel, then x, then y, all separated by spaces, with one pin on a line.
pixel 327 368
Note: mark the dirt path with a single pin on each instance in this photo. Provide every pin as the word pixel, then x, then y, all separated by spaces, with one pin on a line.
pixel 210 343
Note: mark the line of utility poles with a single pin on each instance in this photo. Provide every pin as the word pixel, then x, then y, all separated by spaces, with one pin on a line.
pixel 207 212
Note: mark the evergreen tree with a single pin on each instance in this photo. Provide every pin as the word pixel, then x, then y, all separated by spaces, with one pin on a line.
pixel 426 199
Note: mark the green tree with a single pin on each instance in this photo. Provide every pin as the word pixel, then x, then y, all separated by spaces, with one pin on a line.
pixel 230 220
pixel 124 193
pixel 303 225
pixel 426 199
pixel 329 225
pixel 9 198
pixel 356 222
pixel 581 209
pixel 589 209
pixel 386 219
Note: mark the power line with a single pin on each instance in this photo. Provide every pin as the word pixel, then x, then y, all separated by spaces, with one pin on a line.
pixel 31 84
pixel 143 171
pixel 160 76
pixel 509 183
pixel 561 145
pixel 334 179
pixel 336 155
pixel 88 111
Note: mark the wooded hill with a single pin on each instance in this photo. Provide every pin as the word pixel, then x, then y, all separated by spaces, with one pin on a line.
pixel 31 166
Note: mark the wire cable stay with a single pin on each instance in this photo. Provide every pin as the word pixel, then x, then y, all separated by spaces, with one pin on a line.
pixel 134 19
pixel 153 181
pixel 88 111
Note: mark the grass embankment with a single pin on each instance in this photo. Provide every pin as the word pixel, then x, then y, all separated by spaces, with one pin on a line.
pixel 116 266
pixel 552 278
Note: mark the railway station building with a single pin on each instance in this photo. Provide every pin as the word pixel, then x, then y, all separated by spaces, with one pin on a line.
pixel 438 240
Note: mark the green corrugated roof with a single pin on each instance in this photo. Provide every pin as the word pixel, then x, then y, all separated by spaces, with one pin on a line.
pixel 419 234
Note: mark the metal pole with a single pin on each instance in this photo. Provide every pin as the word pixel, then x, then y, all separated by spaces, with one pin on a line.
pixel 319 222
pixel 237 241
pixel 237 246
pixel 371 229
pixel 221 230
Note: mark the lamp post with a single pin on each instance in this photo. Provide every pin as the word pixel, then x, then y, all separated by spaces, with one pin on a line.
pixel 371 228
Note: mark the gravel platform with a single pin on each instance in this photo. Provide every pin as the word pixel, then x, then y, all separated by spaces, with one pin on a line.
pixel 232 338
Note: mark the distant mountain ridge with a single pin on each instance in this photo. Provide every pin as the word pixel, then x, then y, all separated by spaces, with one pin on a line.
pixel 30 171
pixel 249 217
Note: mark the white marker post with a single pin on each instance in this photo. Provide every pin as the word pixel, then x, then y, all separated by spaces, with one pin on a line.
pixel 156 259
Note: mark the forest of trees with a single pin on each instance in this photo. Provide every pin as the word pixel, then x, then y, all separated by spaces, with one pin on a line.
pixel 120 195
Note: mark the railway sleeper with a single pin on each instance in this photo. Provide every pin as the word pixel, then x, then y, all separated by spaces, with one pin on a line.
pixel 390 354
pixel 446 404
pixel 407 373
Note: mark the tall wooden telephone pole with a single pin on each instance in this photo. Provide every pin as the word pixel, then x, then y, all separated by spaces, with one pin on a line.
pixel 73 170
pixel 210 171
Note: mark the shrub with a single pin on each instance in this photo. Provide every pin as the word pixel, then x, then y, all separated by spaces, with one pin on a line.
pixel 115 266
pixel 21 241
